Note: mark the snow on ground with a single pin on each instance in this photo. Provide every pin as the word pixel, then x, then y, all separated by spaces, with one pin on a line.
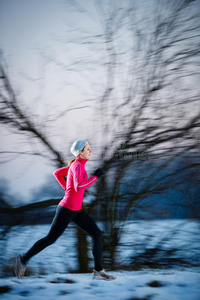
pixel 176 284
pixel 135 285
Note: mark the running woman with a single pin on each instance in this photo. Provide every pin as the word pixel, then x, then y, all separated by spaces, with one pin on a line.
pixel 70 209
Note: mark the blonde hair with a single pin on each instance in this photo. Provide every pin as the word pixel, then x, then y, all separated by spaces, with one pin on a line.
pixel 71 161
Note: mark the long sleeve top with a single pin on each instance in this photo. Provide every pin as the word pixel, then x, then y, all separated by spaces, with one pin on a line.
pixel 77 182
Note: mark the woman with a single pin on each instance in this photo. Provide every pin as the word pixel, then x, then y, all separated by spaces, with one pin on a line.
pixel 70 209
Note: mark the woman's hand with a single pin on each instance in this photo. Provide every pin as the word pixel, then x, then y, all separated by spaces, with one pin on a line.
pixel 98 173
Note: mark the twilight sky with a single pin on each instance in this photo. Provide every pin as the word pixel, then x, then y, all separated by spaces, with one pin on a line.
pixel 59 75
pixel 33 39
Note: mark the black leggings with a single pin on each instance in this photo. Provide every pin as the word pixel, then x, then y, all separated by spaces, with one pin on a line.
pixel 61 220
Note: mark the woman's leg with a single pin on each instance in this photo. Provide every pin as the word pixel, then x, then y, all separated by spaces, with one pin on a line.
pixel 62 218
pixel 85 222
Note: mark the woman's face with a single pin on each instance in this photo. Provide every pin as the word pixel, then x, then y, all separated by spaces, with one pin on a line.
pixel 85 154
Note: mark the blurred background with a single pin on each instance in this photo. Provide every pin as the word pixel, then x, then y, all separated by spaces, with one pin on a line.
pixel 123 75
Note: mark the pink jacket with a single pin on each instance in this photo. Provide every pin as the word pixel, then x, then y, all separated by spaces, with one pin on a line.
pixel 77 182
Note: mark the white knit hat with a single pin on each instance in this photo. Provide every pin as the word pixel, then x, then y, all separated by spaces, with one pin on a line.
pixel 77 147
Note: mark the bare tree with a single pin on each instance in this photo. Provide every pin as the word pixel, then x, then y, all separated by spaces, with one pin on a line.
pixel 146 91
pixel 148 103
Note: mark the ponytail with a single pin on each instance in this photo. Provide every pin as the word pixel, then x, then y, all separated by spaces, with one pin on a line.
pixel 71 161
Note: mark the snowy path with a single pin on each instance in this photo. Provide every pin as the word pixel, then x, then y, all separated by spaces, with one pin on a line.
pixel 149 285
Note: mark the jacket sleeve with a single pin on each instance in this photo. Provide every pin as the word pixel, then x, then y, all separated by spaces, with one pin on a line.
pixel 59 175
pixel 81 184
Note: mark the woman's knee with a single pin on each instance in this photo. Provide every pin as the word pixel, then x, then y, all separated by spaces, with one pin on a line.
pixel 98 233
pixel 50 240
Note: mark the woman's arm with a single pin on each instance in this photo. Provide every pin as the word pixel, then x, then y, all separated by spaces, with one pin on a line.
pixel 78 184
pixel 59 175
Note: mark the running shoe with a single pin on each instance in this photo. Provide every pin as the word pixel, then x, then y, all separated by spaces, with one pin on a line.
pixel 19 267
pixel 102 275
